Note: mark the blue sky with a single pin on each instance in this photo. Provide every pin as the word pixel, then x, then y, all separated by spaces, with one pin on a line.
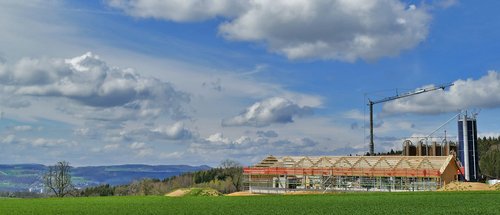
pixel 198 81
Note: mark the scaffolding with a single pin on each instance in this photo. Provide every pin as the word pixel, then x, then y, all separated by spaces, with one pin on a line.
pixel 350 173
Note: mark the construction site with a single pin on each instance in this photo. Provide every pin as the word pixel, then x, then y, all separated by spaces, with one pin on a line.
pixel 425 164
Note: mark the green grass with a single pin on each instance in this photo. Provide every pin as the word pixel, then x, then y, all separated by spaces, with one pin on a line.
pixel 349 203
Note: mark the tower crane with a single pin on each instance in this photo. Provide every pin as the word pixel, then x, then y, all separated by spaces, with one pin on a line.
pixel 412 93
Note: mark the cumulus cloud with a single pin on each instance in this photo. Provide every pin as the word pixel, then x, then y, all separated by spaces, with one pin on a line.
pixel 218 138
pixel 324 29
pixel 341 30
pixel 268 111
pixel 101 91
pixel 464 94
pixel 175 132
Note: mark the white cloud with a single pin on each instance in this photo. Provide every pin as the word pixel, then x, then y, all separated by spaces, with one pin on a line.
pixel 180 10
pixel 100 92
pixel 111 146
pixel 85 132
pixel 242 140
pixel 175 132
pixel 9 139
pixel 137 145
pixel 141 149
pixel 144 152
pixel 218 138
pixel 43 142
pixel 172 155
pixel 268 111
pixel 39 141
pixel 23 128
pixel 340 30
pixel 324 29
pixel 464 94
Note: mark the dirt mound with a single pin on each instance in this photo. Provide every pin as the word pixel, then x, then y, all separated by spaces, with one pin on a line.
pixel 178 192
pixel 495 186
pixel 194 192
pixel 242 193
pixel 466 186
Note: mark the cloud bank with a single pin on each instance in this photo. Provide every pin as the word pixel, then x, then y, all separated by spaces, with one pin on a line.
pixel 306 29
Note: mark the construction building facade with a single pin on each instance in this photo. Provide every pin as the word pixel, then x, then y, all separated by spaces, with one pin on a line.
pixel 350 173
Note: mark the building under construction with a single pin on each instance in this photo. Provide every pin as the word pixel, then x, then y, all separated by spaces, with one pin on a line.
pixel 421 167
pixel 350 173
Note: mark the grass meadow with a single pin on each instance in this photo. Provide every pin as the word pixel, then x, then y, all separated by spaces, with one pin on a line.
pixel 342 203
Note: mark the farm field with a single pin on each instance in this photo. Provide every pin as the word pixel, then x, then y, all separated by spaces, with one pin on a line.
pixel 484 202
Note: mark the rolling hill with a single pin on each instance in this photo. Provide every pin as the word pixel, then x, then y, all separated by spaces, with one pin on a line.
pixel 28 177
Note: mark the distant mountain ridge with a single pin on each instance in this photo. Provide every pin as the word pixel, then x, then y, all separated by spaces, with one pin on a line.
pixel 28 177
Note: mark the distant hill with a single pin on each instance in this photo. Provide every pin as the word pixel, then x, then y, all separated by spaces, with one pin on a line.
pixel 28 177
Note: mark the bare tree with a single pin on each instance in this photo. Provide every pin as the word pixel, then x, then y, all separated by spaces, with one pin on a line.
pixel 58 179
pixel 233 170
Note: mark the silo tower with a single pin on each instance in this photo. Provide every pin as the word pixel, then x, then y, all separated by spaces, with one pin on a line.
pixel 467 146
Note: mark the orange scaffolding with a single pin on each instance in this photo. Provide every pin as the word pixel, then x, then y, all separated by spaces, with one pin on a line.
pixel 373 172
pixel 380 173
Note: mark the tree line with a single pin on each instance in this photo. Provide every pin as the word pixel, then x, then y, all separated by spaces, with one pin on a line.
pixel 489 156
pixel 226 178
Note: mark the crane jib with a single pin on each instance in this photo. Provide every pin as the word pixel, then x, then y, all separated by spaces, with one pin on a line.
pixel 416 92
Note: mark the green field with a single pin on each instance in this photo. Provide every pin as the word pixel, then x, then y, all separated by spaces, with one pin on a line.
pixel 349 203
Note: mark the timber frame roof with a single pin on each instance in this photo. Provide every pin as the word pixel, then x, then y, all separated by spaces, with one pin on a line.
pixel 356 165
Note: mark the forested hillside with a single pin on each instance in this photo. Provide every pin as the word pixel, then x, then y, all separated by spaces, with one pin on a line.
pixel 227 178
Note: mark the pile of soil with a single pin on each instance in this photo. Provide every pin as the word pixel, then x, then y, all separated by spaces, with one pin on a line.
pixel 495 186
pixel 194 192
pixel 466 186
pixel 178 192
pixel 243 193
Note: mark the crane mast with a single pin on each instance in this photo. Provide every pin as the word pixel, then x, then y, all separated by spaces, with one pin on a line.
pixel 412 93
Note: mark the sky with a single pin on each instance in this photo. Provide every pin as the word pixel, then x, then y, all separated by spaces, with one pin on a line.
pixel 195 82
